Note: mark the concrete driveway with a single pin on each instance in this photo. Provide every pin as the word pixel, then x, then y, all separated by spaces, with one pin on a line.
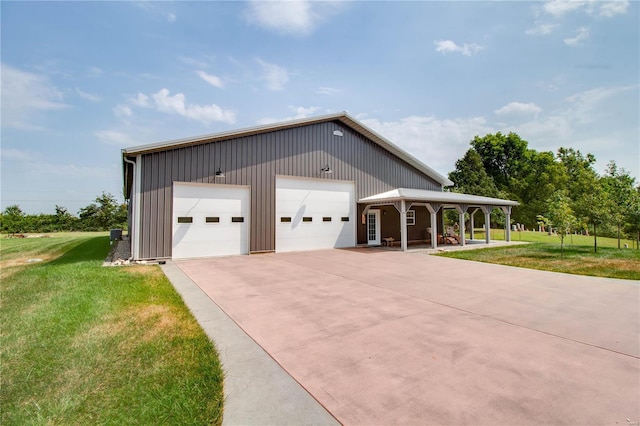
pixel 380 337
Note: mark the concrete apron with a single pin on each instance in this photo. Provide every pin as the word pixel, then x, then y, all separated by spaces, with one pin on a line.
pixel 383 337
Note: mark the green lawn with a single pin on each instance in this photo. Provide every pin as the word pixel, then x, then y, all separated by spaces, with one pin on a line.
pixel 86 344
pixel 544 253
pixel 543 237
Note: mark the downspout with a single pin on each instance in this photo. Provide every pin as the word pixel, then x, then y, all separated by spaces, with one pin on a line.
pixel 132 200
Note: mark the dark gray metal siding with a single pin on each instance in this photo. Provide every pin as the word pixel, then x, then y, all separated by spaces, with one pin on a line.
pixel 255 161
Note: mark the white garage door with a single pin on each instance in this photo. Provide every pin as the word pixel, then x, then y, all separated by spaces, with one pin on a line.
pixel 314 214
pixel 210 220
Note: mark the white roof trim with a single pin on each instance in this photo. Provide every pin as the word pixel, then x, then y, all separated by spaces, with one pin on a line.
pixel 423 195
pixel 343 117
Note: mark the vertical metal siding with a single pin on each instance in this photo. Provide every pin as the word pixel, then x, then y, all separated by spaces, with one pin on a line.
pixel 255 161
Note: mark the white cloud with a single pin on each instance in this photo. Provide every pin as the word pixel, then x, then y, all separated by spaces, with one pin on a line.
pixel 541 29
pixel 211 79
pixel 547 133
pixel 291 17
pixel 176 104
pixel 612 8
pixel 425 137
pixel 141 100
pixel 518 109
pixel 88 96
pixel 121 110
pixel 302 112
pixel 25 95
pixel 581 110
pixel 446 46
pixel 328 91
pixel 608 9
pixel 561 7
pixel 115 137
pixel 585 104
pixel 582 34
pixel 598 121
pixel 299 113
pixel 171 17
pixel 275 76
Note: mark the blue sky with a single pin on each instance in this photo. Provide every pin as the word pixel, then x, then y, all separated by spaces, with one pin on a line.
pixel 82 80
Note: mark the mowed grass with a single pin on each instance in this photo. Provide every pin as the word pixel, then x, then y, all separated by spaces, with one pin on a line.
pixel 87 344
pixel 544 253
pixel 543 237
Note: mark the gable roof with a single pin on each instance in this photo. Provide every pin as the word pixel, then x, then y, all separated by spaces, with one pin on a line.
pixel 342 117
pixel 435 196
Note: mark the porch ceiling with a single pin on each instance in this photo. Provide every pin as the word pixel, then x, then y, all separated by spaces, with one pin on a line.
pixel 425 196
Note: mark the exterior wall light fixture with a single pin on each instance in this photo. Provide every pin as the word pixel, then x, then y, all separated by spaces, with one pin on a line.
pixel 326 169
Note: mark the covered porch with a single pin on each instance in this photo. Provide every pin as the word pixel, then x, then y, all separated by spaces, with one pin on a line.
pixel 416 216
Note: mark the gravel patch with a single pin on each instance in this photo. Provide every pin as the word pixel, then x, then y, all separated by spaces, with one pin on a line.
pixel 120 252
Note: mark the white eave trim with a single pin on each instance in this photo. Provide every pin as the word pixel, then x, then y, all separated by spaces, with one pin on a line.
pixel 422 195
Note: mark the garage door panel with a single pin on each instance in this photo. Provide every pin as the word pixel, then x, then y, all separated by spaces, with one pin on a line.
pixel 299 199
pixel 212 231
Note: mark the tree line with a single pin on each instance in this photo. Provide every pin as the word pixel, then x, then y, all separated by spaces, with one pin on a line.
pixel 562 190
pixel 102 214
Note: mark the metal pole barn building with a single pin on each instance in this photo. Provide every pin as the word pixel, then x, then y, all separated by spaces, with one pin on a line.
pixel 315 183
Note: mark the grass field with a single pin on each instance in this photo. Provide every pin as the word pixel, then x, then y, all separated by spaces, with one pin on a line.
pixel 86 344
pixel 544 253
pixel 543 237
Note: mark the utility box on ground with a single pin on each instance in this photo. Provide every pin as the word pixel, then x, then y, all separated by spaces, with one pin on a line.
pixel 115 234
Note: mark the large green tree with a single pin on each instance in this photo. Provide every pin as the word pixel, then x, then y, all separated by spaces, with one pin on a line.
pixel 503 157
pixel 540 177
pixel 13 220
pixel 503 166
pixel 103 214
pixel 65 221
pixel 470 176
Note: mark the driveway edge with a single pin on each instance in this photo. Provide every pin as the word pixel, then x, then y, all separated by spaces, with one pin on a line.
pixel 257 389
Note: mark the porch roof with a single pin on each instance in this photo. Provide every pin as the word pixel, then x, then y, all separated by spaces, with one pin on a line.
pixel 425 196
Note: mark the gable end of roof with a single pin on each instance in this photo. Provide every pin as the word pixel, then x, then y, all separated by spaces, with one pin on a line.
pixel 342 117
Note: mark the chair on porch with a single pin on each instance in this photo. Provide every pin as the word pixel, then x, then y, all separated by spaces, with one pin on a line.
pixel 451 237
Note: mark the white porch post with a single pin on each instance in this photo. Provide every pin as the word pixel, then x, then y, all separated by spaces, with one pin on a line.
pixel 461 211
pixel 433 210
pixel 507 213
pixel 403 225
pixel 472 224
pixel 487 223
pixel 434 229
